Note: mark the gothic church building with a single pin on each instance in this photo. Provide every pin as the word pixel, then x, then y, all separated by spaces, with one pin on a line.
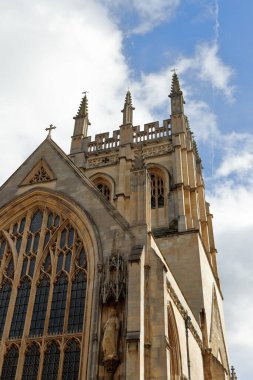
pixel 107 258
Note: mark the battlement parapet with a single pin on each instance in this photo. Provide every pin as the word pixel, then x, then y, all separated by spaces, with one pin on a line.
pixel 152 132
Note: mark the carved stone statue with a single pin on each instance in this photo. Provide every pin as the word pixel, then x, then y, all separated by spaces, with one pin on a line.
pixel 110 338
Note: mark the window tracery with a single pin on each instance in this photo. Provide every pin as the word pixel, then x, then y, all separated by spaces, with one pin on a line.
pixel 157 190
pixel 50 266
pixel 105 190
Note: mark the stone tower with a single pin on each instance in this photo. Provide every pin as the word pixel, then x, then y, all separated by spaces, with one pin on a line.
pixel 108 261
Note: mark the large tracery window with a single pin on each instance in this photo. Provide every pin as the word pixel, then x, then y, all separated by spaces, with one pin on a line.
pixel 49 262
pixel 157 191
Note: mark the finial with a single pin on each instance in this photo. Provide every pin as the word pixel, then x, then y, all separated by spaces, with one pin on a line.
pixel 49 129
pixel 128 109
pixel 83 108
pixel 233 374
pixel 175 86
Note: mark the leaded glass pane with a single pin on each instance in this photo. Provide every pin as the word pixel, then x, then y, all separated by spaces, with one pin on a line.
pixel 19 314
pixel 36 221
pixel 59 262
pixel 36 243
pixel 58 306
pixel 10 364
pixel 24 267
pixel 63 238
pixel 10 268
pixel 31 267
pixel 68 261
pixel 71 237
pixel 31 363
pixel 77 303
pixel 40 308
pixel 82 258
pixel 2 247
pixel 5 293
pixel 18 243
pixel 51 363
pixel 28 244
pixel 22 226
pixel 71 361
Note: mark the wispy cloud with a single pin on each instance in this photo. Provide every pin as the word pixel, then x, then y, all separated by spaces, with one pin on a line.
pixel 148 14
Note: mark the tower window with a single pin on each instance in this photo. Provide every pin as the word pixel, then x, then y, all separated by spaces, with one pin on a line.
pixel 104 189
pixel 157 191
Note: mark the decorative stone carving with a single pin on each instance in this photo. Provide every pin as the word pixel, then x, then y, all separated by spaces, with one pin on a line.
pixel 110 342
pixel 113 287
pixel 40 173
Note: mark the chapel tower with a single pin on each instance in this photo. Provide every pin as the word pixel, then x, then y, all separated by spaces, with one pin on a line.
pixel 107 258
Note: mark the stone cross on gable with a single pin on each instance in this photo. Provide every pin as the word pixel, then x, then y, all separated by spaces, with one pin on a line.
pixel 49 129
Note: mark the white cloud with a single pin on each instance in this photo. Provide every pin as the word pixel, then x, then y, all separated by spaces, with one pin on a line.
pixel 149 13
pixel 239 164
pixel 51 52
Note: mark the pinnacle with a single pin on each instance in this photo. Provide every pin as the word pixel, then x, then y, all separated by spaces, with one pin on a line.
pixel 233 374
pixel 128 99
pixel 83 108
pixel 175 86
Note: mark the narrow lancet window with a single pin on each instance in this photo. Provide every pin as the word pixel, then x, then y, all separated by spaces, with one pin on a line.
pixel 10 364
pixel 31 364
pixel 51 362
pixel 40 307
pixel 19 314
pixel 5 293
pixel 77 303
pixel 157 191
pixel 71 361
pixel 58 306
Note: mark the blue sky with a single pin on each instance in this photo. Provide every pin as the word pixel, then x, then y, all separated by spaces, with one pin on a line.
pixel 51 51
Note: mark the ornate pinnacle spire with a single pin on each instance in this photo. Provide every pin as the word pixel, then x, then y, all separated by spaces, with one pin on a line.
pixel 128 109
pixel 233 374
pixel 175 86
pixel 83 108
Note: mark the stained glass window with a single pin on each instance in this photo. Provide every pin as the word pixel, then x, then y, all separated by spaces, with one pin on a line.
pixel 10 364
pixel 51 362
pixel 58 305
pixel 5 293
pixel 31 363
pixel 2 247
pixel 71 361
pixel 40 307
pixel 77 302
pixel 19 314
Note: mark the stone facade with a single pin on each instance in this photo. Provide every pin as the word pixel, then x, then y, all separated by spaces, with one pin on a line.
pixel 118 235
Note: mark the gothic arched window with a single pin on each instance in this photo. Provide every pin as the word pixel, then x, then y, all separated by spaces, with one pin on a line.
pixel 47 256
pixel 71 361
pixel 10 364
pixel 31 363
pixel 51 362
pixel 157 190
pixel 40 307
pixel 19 314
